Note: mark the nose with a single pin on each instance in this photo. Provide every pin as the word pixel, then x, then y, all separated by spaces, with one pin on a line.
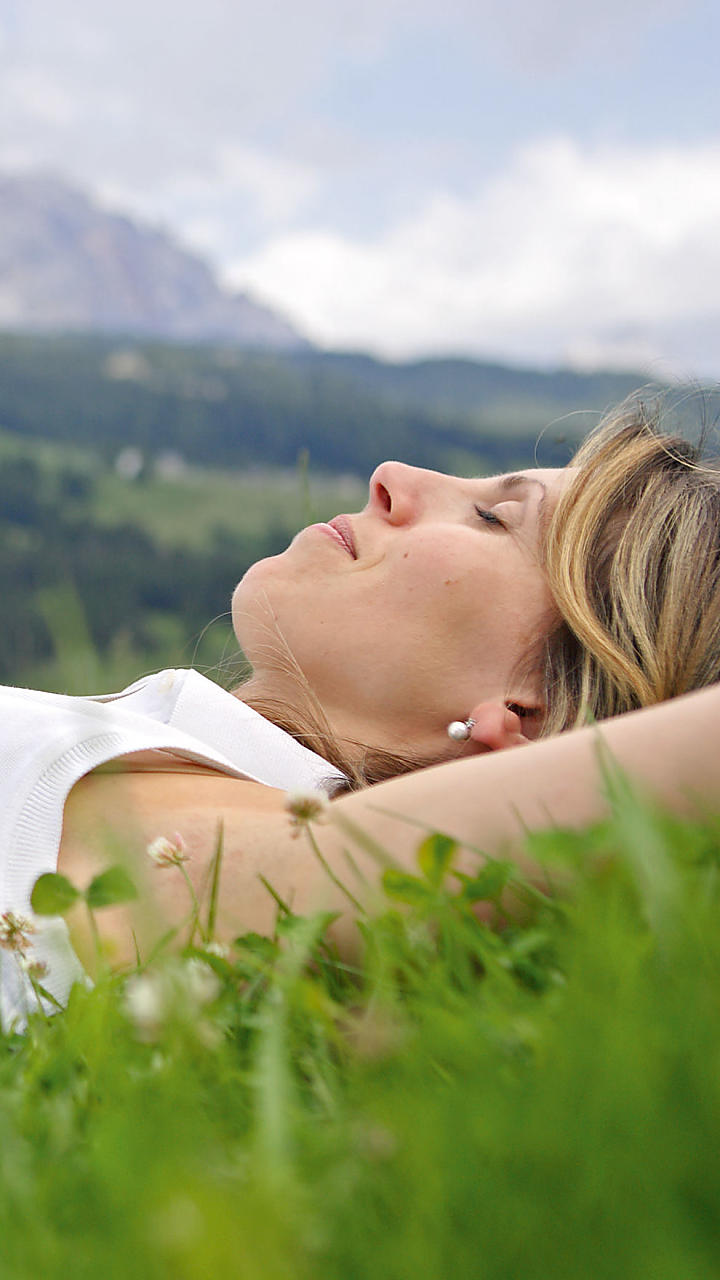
pixel 400 493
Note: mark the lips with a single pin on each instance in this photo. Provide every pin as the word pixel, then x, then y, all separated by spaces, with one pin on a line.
pixel 342 525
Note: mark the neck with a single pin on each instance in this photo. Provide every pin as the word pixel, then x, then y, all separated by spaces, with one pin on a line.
pixel 349 746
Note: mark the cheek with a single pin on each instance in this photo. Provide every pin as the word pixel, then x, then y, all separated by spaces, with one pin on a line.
pixel 448 583
pixel 470 605
pixel 437 604
pixel 424 588
pixel 431 568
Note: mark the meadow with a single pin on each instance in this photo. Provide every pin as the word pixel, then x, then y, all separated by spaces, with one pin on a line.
pixel 536 1099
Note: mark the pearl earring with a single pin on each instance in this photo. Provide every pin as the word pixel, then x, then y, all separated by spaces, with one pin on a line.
pixel 460 730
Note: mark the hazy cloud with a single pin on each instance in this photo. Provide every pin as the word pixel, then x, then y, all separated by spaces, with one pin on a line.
pixel 166 75
pixel 568 254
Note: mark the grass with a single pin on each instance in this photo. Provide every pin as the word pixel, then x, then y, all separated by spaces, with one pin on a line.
pixel 541 1100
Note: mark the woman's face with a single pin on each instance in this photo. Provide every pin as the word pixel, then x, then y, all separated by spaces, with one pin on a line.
pixel 408 614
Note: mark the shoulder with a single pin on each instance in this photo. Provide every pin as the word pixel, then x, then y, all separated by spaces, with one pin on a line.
pixel 149 788
pixel 115 814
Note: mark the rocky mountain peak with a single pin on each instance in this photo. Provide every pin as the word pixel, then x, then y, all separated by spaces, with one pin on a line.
pixel 67 263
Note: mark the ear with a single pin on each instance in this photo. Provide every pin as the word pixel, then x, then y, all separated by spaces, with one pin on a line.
pixel 496 727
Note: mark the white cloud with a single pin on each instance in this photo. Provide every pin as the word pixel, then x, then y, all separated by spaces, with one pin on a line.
pixel 569 253
pixel 279 187
pixel 32 93
pixel 549 35
pixel 142 89
pixel 237 192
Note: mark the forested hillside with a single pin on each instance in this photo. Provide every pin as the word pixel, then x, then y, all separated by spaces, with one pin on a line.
pixel 221 405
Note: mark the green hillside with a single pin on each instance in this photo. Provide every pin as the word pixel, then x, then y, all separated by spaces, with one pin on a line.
pixel 490 397
pixel 219 406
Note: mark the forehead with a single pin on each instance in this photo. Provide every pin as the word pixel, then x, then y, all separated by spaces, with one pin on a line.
pixel 552 479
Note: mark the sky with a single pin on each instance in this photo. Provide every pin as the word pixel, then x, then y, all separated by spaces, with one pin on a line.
pixel 533 181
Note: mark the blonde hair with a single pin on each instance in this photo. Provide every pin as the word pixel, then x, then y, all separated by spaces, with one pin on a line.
pixel 633 562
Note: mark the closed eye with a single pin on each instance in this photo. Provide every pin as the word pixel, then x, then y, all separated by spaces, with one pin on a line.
pixel 489 517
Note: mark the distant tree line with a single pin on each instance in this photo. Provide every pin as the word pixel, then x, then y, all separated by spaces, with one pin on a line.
pixel 220 406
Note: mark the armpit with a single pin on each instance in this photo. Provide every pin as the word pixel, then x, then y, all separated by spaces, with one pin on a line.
pixel 157 761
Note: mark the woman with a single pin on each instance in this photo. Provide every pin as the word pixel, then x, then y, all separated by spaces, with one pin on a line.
pixel 509 608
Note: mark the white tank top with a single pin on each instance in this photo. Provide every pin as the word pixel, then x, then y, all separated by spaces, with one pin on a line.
pixel 49 741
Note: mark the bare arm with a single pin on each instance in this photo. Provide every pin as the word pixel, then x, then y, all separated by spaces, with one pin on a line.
pixel 672 751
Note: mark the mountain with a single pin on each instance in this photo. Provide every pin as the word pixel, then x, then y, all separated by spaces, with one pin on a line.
pixel 67 264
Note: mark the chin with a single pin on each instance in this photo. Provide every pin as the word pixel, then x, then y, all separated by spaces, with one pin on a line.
pixel 246 598
pixel 254 599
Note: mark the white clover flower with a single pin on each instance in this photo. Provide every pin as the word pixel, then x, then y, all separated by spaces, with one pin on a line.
pixel 305 807
pixel 146 1002
pixel 166 852
pixel 200 981
pixel 35 969
pixel 15 932
pixel 175 992
pixel 217 949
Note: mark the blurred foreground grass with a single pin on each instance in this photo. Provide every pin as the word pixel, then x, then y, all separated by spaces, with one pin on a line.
pixel 542 1100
